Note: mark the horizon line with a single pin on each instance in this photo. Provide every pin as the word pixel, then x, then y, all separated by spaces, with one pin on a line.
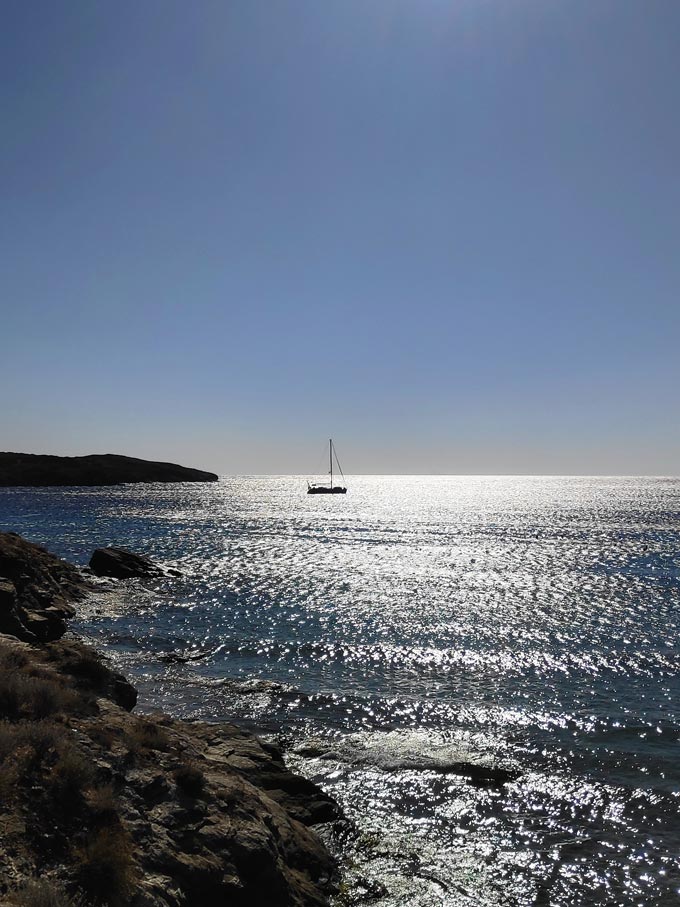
pixel 480 475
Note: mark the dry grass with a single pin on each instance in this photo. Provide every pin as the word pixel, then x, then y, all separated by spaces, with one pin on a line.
pixel 8 739
pixel 24 749
pixel 41 748
pixel 23 697
pixel 10 697
pixel 87 665
pixel 10 774
pixel 50 782
pixel 36 739
pixel 44 738
pixel 103 735
pixel 43 893
pixel 12 658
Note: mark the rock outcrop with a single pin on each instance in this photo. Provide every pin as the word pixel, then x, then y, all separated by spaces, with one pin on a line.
pixel 95 469
pixel 100 806
pixel 143 810
pixel 37 590
pixel 122 564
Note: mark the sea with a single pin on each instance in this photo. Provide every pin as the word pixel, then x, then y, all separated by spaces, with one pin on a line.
pixel 401 638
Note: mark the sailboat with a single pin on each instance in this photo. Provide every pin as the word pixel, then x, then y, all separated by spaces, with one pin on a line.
pixel 320 487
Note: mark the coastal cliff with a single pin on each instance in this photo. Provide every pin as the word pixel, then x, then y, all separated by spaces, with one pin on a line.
pixel 96 469
pixel 101 806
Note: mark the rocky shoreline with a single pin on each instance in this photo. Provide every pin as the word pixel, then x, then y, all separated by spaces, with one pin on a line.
pixel 101 806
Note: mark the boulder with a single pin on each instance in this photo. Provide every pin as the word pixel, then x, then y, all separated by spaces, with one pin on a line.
pixel 36 590
pixel 10 618
pixel 122 564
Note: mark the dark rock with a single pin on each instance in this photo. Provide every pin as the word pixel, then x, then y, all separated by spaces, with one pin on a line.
pixel 481 775
pixel 44 628
pixel 10 619
pixel 36 590
pixel 156 790
pixel 123 693
pixel 122 564
pixel 95 469
pixel 300 797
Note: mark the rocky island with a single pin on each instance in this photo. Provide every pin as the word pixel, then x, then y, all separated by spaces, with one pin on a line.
pixel 96 469
pixel 102 806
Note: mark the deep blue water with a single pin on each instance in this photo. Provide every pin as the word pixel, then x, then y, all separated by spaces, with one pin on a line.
pixel 414 621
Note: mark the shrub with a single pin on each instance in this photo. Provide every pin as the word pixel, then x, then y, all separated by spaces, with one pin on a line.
pixel 8 739
pixel 10 699
pixel 34 739
pixel 9 779
pixel 46 699
pixel 22 696
pixel 24 748
pixel 147 735
pixel 43 738
pixel 44 894
pixel 189 779
pixel 105 867
pixel 104 735
pixel 88 665
pixel 71 776
pixel 102 802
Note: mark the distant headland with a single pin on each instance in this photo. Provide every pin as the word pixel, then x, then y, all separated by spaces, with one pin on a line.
pixel 96 469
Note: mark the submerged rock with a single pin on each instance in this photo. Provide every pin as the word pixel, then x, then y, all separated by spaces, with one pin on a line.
pixel 399 751
pixel 122 564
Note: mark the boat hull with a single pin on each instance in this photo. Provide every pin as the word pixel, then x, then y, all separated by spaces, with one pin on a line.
pixel 337 489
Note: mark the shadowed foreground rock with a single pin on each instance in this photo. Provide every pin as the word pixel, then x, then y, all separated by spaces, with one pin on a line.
pixel 99 806
pixel 95 469
pixel 36 590
pixel 122 564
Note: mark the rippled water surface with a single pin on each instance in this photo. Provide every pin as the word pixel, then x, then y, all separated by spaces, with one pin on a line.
pixel 413 625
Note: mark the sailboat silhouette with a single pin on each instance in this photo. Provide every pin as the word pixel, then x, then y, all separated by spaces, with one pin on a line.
pixel 320 487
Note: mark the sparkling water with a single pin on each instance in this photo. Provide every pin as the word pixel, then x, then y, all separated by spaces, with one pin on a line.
pixel 417 623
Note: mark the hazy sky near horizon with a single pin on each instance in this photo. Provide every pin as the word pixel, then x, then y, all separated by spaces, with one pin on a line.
pixel 446 233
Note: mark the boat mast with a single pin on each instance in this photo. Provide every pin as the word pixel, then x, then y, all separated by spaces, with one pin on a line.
pixel 330 457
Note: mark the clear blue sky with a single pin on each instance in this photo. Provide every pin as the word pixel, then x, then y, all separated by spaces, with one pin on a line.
pixel 446 233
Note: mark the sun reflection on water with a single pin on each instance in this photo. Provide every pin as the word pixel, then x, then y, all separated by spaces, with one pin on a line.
pixel 523 621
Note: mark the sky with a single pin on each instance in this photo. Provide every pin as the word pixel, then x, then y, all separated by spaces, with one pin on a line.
pixel 444 232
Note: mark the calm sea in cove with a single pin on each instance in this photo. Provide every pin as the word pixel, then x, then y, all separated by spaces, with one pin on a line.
pixel 413 624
